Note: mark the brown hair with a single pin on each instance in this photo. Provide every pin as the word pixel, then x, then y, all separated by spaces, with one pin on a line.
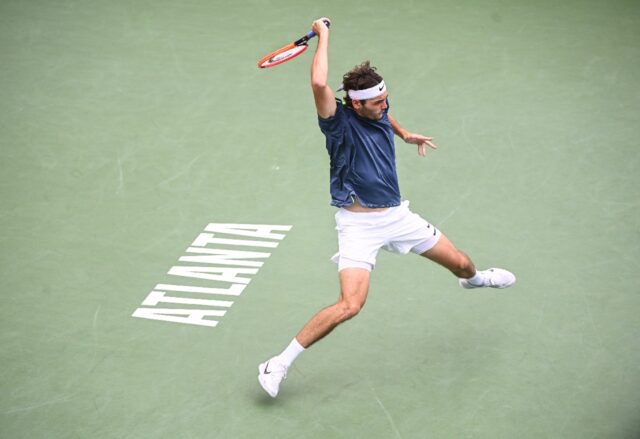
pixel 360 77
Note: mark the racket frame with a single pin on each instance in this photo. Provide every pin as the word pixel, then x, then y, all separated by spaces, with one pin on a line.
pixel 302 43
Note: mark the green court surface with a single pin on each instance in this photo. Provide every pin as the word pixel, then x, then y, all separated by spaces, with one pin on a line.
pixel 127 127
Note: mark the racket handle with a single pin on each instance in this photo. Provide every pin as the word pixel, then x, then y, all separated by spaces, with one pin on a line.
pixel 312 34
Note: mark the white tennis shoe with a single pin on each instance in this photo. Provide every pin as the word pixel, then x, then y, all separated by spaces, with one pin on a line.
pixel 270 374
pixel 493 278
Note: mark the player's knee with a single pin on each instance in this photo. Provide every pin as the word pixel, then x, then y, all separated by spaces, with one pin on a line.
pixel 350 309
pixel 463 267
pixel 464 264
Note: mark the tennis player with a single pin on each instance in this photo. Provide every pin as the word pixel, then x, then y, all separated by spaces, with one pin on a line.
pixel 371 214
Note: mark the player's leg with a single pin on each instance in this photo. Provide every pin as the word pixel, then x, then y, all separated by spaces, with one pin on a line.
pixel 454 260
pixel 354 287
pixel 447 255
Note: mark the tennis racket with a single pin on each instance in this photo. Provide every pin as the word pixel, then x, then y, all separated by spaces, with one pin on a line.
pixel 287 52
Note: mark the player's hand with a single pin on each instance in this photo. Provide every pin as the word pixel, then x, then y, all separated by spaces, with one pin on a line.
pixel 421 141
pixel 320 26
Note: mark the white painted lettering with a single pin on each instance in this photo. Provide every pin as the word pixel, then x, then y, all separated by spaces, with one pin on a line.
pixel 156 297
pixel 252 230
pixel 233 290
pixel 215 267
pixel 225 274
pixel 189 316
pixel 224 257
pixel 207 238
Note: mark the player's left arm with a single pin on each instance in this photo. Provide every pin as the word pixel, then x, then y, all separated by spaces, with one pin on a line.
pixel 413 138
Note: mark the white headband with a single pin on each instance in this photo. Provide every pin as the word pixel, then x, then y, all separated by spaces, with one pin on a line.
pixel 369 93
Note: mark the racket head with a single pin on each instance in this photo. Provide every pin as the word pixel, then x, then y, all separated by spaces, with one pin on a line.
pixel 281 55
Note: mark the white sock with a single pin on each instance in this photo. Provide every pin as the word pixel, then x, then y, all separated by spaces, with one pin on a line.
pixel 292 351
pixel 477 280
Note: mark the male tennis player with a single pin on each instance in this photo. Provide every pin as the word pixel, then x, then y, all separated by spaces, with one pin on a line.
pixel 371 215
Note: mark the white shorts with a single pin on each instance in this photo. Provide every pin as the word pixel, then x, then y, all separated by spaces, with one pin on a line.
pixel 362 234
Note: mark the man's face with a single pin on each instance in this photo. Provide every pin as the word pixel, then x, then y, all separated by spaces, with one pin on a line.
pixel 372 108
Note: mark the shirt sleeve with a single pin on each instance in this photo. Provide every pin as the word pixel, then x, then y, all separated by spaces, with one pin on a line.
pixel 333 127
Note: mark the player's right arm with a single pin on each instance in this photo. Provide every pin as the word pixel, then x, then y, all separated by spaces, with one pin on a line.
pixel 322 93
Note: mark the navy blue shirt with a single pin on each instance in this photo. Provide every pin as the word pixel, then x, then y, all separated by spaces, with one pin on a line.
pixel 363 159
